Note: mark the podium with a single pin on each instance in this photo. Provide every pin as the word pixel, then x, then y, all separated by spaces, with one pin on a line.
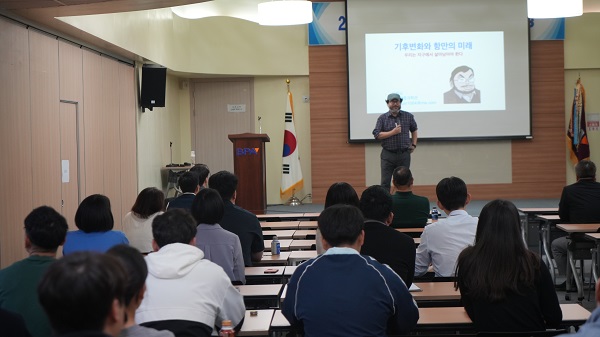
pixel 249 167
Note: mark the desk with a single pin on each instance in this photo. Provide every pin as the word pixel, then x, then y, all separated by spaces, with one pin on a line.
pixel 279 322
pixel 298 256
pixel 289 270
pixel 261 295
pixel 596 238
pixel 268 259
pixel 417 241
pixel 281 234
pixel 283 244
pixel 436 291
pixel 305 234
pixel 456 317
pixel 276 225
pixel 571 229
pixel 279 216
pixel 308 225
pixel 545 229
pixel 257 325
pixel 257 275
pixel 410 230
pixel 302 244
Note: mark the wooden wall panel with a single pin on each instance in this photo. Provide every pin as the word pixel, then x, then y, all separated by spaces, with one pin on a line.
pixel 127 115
pixel 538 165
pixel 94 126
pixel 111 137
pixel 45 123
pixel 16 187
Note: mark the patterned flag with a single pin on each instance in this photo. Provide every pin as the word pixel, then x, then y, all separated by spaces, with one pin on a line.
pixel 291 178
pixel 579 147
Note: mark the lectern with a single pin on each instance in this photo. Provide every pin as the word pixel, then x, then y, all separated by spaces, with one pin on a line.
pixel 249 166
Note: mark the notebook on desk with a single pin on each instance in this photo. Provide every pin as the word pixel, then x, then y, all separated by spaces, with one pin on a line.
pixel 414 288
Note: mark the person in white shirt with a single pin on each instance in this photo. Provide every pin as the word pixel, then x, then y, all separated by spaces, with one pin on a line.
pixel 137 224
pixel 442 241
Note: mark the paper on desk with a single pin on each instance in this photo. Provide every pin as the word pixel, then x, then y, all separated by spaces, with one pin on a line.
pixel 414 288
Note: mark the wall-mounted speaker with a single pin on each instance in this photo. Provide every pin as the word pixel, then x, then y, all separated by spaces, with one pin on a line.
pixel 154 82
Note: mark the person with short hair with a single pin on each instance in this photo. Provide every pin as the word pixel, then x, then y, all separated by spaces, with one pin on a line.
pixel 338 193
pixel 137 271
pixel 45 231
pixel 203 172
pixel 392 129
pixel 186 293
pixel 442 241
pixel 462 83
pixel 189 185
pixel 578 204
pixel 219 245
pixel 504 286
pixel 83 294
pixel 95 222
pixel 410 210
pixel 238 220
pixel 343 293
pixel 382 242
pixel 137 224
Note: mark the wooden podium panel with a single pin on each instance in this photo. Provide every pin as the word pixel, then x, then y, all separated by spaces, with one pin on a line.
pixel 249 166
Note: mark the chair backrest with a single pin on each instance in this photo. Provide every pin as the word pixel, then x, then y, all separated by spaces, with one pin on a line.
pixel 545 333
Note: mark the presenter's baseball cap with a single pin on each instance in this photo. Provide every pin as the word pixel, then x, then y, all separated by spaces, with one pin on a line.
pixel 394 96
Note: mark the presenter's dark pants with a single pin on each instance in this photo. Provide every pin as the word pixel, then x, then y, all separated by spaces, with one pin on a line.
pixel 389 161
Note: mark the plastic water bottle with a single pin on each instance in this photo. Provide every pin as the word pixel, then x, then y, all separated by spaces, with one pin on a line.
pixel 193 157
pixel 275 246
pixel 434 214
pixel 226 329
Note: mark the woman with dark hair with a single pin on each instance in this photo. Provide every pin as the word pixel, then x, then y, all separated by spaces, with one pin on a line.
pixel 504 286
pixel 137 224
pixel 95 222
pixel 218 244
pixel 338 193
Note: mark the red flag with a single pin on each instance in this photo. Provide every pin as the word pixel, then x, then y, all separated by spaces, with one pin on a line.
pixel 579 147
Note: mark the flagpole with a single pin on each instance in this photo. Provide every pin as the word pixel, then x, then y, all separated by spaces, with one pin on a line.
pixel 293 200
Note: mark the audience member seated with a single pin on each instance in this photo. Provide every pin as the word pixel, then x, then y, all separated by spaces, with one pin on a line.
pixel 95 222
pixel 338 193
pixel 504 286
pixel 591 328
pixel 219 245
pixel 442 241
pixel 137 224
pixel 189 186
pixel 343 293
pixel 238 220
pixel 45 231
pixel 12 325
pixel 186 293
pixel 83 294
pixel 410 210
pixel 385 244
pixel 137 271
pixel 202 171
pixel 578 204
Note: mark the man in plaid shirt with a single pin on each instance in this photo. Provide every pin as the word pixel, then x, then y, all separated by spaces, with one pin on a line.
pixel 393 129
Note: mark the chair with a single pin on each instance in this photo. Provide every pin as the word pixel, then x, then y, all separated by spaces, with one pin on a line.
pixel 545 333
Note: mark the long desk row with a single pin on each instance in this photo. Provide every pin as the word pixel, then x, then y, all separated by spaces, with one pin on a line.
pixel 288 216
pixel 268 321
pixel 281 225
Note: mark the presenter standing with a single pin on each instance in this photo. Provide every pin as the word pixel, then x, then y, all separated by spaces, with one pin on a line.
pixel 393 129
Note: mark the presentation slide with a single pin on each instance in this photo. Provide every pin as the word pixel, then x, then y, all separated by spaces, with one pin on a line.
pixel 461 69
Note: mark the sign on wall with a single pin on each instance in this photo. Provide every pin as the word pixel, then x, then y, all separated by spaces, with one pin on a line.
pixel 329 24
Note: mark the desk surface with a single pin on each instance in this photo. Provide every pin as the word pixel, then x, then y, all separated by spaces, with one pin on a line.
pixel 539 210
pixel 593 236
pixel 279 321
pixel 260 271
pixel 289 270
pixel 258 325
pixel 435 291
pixel 579 227
pixel 302 244
pixel 410 230
pixel 267 258
pixel 284 244
pixel 573 313
pixel 260 290
pixel 552 217
pixel 303 233
pixel 308 225
pixel 281 234
pixel 276 225
pixel 302 254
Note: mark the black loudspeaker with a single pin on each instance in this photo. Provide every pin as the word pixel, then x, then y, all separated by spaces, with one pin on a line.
pixel 154 81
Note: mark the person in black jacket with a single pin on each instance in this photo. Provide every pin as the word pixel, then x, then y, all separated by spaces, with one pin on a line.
pixel 504 286
pixel 383 243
